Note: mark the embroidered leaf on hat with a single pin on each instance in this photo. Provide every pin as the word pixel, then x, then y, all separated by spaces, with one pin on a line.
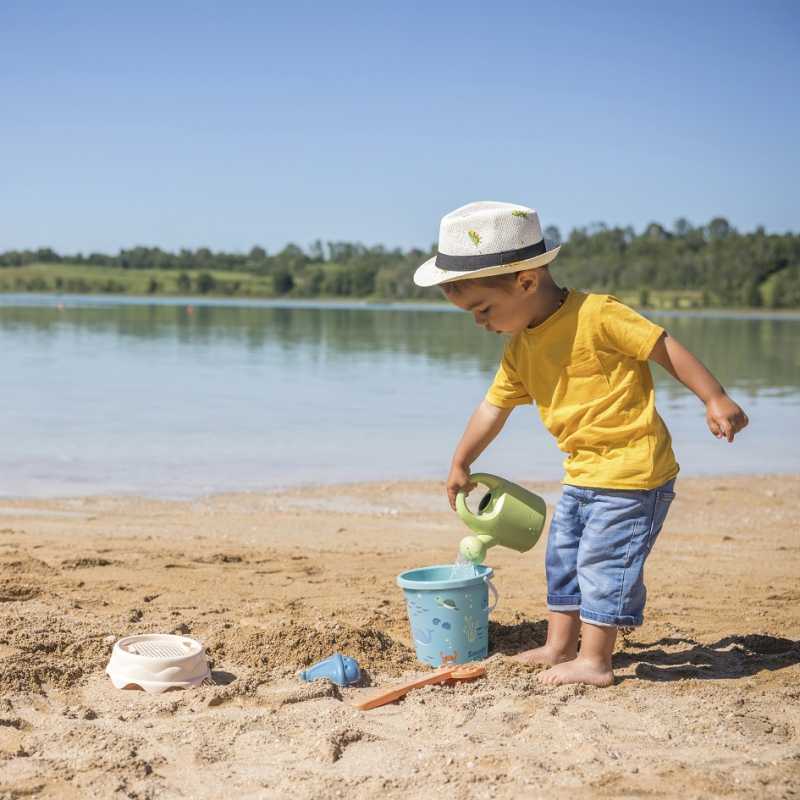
pixel 518 213
pixel 475 236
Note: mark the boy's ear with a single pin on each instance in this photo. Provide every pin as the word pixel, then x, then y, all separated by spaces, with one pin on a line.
pixel 528 280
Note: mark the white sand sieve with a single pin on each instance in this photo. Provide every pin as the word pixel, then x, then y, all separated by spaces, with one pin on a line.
pixel 156 662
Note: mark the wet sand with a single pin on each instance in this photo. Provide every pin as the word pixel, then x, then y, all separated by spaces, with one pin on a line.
pixel 706 701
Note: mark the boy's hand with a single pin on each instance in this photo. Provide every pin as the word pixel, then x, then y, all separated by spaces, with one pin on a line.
pixel 724 417
pixel 485 423
pixel 457 481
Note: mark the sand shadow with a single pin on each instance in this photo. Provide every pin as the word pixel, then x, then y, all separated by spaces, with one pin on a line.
pixel 738 656
pixel 222 678
pixel 512 639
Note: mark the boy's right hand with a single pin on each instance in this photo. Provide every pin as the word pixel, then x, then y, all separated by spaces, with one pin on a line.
pixel 458 481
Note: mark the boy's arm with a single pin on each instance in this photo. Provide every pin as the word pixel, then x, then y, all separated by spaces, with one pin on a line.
pixel 484 424
pixel 723 417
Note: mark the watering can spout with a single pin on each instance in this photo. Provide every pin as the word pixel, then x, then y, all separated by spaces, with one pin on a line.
pixel 507 515
pixel 474 548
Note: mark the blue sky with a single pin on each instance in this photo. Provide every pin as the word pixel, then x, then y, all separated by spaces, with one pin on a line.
pixel 229 124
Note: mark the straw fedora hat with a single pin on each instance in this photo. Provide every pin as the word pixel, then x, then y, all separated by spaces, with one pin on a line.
pixel 483 239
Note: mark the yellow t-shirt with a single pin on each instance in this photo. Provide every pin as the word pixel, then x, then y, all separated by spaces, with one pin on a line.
pixel 586 369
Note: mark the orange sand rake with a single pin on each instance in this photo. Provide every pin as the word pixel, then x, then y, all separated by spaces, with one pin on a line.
pixel 447 674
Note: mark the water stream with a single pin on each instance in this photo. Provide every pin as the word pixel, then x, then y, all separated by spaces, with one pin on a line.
pixel 462 568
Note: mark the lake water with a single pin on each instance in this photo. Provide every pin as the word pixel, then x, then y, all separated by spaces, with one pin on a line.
pixel 178 398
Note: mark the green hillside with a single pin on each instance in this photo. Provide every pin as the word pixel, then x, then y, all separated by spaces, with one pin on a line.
pixel 685 267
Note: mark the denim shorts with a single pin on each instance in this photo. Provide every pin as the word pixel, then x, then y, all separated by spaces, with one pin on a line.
pixel 599 540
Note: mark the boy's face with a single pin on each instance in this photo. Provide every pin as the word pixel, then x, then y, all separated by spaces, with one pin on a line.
pixel 506 309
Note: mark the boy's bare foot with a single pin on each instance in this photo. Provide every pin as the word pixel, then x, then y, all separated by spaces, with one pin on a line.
pixel 579 670
pixel 547 654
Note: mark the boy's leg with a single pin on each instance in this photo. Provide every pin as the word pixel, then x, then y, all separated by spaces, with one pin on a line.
pixel 621 528
pixel 563 628
pixel 593 664
pixel 563 593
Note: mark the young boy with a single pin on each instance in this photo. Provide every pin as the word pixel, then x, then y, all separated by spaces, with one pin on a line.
pixel 582 358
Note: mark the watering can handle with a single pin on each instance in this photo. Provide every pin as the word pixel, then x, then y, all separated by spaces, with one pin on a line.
pixel 484 478
pixel 495 594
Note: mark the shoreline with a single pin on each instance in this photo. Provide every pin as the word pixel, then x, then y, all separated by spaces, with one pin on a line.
pixel 273 581
pixel 332 486
pixel 368 303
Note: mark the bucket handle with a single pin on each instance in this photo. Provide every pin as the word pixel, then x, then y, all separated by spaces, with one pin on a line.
pixel 495 594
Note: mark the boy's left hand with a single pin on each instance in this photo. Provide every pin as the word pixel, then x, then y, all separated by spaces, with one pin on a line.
pixel 724 417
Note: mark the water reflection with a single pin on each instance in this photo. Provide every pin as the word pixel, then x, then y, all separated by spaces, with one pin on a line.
pixel 753 355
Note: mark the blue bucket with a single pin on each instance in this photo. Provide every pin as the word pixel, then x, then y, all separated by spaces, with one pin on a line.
pixel 449 612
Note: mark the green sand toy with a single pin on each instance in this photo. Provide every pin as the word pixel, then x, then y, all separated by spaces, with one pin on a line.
pixel 508 515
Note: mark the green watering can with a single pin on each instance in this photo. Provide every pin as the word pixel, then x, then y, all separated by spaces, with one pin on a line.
pixel 508 515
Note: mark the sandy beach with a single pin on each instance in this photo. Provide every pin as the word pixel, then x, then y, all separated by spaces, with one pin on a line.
pixel 706 702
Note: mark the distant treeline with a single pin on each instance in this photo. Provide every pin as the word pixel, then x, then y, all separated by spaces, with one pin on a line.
pixel 710 265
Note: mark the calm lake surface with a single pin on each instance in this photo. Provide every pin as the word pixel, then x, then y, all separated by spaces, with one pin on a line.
pixel 179 398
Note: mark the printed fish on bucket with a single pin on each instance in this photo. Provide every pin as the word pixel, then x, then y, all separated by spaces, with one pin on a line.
pixel 416 608
pixel 449 614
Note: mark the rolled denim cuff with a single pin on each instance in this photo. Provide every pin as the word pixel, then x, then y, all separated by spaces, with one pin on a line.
pixel 563 602
pixel 594 618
